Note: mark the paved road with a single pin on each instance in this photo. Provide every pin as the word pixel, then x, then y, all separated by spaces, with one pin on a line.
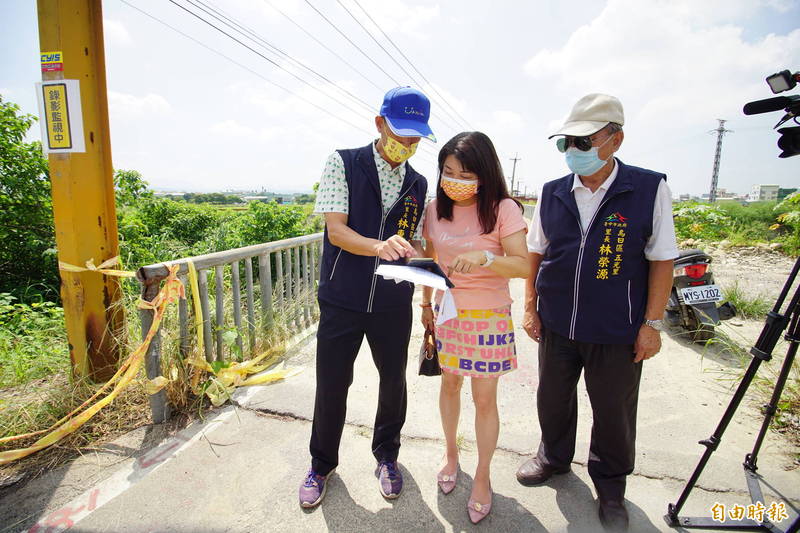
pixel 240 469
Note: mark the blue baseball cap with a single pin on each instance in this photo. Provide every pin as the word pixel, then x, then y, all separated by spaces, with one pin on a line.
pixel 407 110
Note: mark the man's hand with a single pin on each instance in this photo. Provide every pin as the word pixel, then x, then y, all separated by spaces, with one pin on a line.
pixel 532 325
pixel 647 344
pixel 394 248
pixel 468 261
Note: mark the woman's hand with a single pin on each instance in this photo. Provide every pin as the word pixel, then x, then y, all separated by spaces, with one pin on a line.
pixel 427 318
pixel 468 261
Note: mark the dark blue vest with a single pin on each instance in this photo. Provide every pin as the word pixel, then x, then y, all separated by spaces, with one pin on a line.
pixel 349 280
pixel 592 287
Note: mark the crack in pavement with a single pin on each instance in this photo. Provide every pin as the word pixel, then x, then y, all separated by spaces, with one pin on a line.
pixel 290 416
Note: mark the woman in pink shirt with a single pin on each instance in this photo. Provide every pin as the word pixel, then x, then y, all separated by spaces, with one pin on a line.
pixel 476 232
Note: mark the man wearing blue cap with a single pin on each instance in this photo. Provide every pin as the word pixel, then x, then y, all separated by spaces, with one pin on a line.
pixel 372 201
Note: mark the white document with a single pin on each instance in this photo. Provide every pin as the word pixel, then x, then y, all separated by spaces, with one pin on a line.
pixel 448 308
pixel 420 276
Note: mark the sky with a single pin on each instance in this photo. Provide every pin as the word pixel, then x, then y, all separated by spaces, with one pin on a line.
pixel 203 113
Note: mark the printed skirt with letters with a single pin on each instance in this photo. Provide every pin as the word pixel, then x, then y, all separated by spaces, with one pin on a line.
pixel 477 343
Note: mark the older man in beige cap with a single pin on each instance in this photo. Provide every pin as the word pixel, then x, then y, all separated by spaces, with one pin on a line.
pixel 601 245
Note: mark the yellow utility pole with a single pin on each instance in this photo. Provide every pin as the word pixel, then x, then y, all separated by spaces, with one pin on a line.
pixel 83 189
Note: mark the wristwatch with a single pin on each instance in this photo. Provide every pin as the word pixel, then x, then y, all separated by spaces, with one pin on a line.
pixel 657 325
pixel 489 258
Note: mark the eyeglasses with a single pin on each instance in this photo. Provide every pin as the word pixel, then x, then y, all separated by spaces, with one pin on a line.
pixel 584 144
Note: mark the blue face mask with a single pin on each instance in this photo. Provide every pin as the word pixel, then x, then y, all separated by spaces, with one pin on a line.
pixel 585 163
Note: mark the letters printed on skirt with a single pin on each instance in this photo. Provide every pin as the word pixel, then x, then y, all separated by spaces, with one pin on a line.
pixel 477 343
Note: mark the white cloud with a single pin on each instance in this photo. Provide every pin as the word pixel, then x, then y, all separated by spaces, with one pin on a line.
pixel 664 61
pixel 232 128
pixel 676 66
pixel 128 106
pixel 115 33
pixel 507 119
pixel 396 18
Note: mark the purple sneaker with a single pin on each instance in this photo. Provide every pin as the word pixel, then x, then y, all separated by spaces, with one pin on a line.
pixel 390 479
pixel 313 488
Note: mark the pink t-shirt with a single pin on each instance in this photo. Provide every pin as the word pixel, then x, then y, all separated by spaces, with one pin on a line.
pixel 481 288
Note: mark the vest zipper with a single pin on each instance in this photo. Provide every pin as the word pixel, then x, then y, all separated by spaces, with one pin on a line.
pixel 630 311
pixel 577 284
pixel 336 261
pixel 380 237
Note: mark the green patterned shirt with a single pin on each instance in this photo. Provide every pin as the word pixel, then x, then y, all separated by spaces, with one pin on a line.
pixel 333 196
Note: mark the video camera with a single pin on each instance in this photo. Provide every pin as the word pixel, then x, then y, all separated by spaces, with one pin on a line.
pixel 779 82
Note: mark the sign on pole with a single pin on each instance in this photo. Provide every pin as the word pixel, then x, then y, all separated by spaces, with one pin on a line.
pixel 60 116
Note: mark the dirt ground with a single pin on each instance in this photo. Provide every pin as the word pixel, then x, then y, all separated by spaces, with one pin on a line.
pixel 759 272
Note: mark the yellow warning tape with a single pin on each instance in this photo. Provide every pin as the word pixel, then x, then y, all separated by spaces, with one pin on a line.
pixel 225 379
pixel 172 290
pixel 102 268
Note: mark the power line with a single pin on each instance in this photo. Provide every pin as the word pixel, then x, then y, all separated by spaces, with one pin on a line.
pixel 255 73
pixel 464 121
pixel 260 54
pixel 407 73
pixel 422 155
pixel 233 23
pixel 333 52
pixel 323 45
pixel 335 27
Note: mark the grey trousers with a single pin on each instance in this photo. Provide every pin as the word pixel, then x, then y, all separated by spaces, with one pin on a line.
pixel 612 381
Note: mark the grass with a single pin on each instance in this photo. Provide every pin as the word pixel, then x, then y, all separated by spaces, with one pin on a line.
pixel 787 417
pixel 33 342
pixel 40 393
pixel 748 307
pixel 41 403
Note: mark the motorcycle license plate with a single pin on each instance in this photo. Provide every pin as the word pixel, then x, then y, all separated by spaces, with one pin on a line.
pixel 701 294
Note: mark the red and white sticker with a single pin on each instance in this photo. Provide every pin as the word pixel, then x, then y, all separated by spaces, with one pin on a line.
pixel 52 61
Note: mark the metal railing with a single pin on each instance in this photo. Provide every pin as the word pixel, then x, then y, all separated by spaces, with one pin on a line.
pixel 284 281
pixel 528 211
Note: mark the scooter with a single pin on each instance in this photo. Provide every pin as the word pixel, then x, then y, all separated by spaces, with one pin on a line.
pixel 693 301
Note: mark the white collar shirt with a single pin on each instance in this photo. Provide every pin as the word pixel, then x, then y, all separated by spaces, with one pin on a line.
pixel 661 246
pixel 589 201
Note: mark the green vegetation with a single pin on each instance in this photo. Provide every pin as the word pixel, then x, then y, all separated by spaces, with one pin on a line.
pixel 28 266
pixel 305 198
pixel 789 219
pixel 752 308
pixel 209 198
pixel 159 229
pixel 741 225
pixel 33 343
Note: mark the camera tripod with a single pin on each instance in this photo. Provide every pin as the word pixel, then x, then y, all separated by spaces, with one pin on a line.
pixel 775 324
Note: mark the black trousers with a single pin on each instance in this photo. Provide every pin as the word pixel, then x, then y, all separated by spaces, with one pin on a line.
pixel 339 338
pixel 612 381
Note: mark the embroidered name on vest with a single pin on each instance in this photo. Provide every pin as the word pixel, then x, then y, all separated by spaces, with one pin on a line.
pixel 407 224
pixel 609 257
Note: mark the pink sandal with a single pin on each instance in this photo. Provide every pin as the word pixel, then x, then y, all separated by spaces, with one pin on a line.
pixel 447 482
pixel 478 511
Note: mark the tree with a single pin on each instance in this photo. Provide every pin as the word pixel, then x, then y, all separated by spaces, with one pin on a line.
pixel 28 263
pixel 130 187
pixel 305 198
